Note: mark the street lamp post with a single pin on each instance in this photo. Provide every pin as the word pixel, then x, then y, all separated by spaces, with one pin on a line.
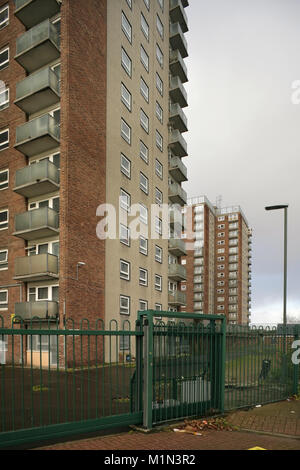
pixel 273 208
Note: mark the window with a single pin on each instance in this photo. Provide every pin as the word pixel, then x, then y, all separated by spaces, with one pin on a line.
pixel 4 139
pixel 144 27
pixel 52 203
pixel 159 26
pixel 158 282
pixel 143 305
pixel 125 166
pixel 4 219
pixel 147 3
pixel 143 277
pixel 159 112
pixel 143 246
pixel 36 294
pixel 158 196
pixel 4 98
pixel 126 27
pixel 125 200
pixel 221 219
pixel 124 235
pixel 158 225
pixel 159 55
pixel 4 175
pixel 124 270
pixel 144 151
pixel 3 260
pixel 4 16
pixel 161 4
pixel 144 58
pixel 3 299
pixel 144 121
pixel 144 90
pixel 126 96
pixel 158 169
pixel 125 131
pixel 144 183
pixel 4 58
pixel 159 84
pixel 158 254
pixel 124 305
pixel 126 62
pixel 159 141
pixel 129 3
pixel 143 214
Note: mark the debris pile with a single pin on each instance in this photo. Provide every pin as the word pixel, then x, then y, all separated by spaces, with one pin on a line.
pixel 196 426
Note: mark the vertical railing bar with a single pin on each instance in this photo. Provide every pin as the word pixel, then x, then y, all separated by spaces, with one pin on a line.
pixel 66 377
pixel 58 377
pixel 13 383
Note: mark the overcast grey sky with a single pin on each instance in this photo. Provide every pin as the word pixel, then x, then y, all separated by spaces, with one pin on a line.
pixel 244 130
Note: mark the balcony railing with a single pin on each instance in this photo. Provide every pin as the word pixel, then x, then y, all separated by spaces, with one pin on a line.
pixel 178 170
pixel 32 12
pixel 177 247
pixel 38 91
pixel 178 15
pixel 37 136
pixel 177 272
pixel 36 268
pixel 177 66
pixel 177 92
pixel 38 47
pixel 43 310
pixel 177 298
pixel 37 179
pixel 177 118
pixel 177 40
pixel 177 195
pixel 38 223
pixel 178 144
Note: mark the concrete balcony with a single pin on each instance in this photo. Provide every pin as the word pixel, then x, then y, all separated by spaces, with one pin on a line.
pixel 38 136
pixel 37 179
pixel 177 66
pixel 198 288
pixel 177 144
pixel 177 118
pixel 177 247
pixel 33 12
pixel 38 47
pixel 177 272
pixel 43 310
pixel 38 223
pixel 177 195
pixel 177 40
pixel 43 267
pixel 38 91
pixel 178 170
pixel 177 92
pixel 178 15
pixel 177 298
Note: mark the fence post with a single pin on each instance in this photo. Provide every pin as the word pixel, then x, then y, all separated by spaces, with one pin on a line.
pixel 139 368
pixel 296 376
pixel 222 359
pixel 148 372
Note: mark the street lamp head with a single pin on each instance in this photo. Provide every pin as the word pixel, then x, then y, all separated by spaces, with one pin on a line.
pixel 80 263
pixel 274 208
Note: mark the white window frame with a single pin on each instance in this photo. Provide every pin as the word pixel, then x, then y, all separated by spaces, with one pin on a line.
pixel 126 62
pixel 6 222
pixel 158 282
pixel 144 151
pixel 144 58
pixel 159 140
pixel 126 97
pixel 124 170
pixel 143 277
pixel 144 120
pixel 4 22
pixel 159 56
pixel 125 310
pixel 125 204
pixel 143 246
pixel 125 131
pixel 126 27
pixel 36 293
pixel 144 90
pixel 125 240
pixel 125 274
pixel 158 254
pixel 158 196
pixel 4 263
pixel 4 183
pixel 158 165
pixel 143 305
pixel 143 214
pixel 144 183
pixel 159 84
pixel 2 303
pixel 144 27
pixel 5 144
pixel 159 112
pixel 4 101
pixel 147 4
pixel 5 63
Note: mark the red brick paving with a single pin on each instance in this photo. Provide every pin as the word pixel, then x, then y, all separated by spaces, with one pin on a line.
pixel 211 440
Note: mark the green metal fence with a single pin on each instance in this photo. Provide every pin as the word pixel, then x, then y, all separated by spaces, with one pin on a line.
pixel 259 367
pixel 82 377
